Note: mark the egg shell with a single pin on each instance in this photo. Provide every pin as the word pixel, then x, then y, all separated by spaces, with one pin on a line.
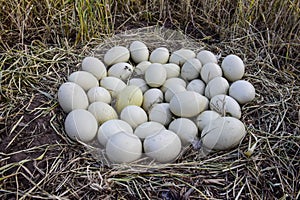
pixel 121 70
pixel 148 128
pixel 209 71
pixel 172 90
pixel 140 69
pixel 205 118
pixel 206 56
pixel 102 112
pixel 180 56
pixel 116 54
pixel 191 69
pixel 172 81
pixel 133 115
pixel 223 134
pixel 155 75
pixel 94 66
pixel 71 96
pixel 141 83
pixel 159 55
pixel 242 91
pixel 81 124
pixel 110 128
pixel 218 85
pixel 233 67
pixel 172 69
pixel 188 104
pixel 138 51
pixel 151 97
pixel 186 130
pixel 123 147
pixel 161 113
pixel 130 95
pixel 225 105
pixel 99 94
pixel 113 85
pixel 196 85
pixel 163 147
pixel 84 79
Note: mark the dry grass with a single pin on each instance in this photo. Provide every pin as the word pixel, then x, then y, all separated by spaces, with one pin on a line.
pixel 42 42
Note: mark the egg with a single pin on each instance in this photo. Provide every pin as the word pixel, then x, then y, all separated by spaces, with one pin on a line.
pixel 94 66
pixel 140 69
pixel 225 105
pixel 116 54
pixel 188 104
pixel 180 56
pixel 139 51
pixel 130 95
pixel 81 124
pixel 71 96
pixel 133 115
pixel 84 79
pixel 196 85
pixel 233 67
pixel 218 85
pixel 206 57
pixel 209 71
pixel 99 94
pixel 102 112
pixel 173 89
pixel 242 91
pixel 159 55
pixel 172 70
pixel 205 118
pixel 224 133
pixel 113 85
pixel 110 128
pixel 191 69
pixel 123 147
pixel 155 75
pixel 163 147
pixel 172 81
pixel 161 113
pixel 148 128
pixel 186 130
pixel 141 83
pixel 121 70
pixel 151 97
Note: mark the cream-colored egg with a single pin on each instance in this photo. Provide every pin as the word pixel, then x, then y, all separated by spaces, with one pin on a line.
pixel 133 115
pixel 116 54
pixel 139 51
pixel 161 113
pixel 155 75
pixel 102 112
pixel 141 83
pixel 206 57
pixel 94 66
pixel 196 85
pixel 99 94
pixel 188 104
pixel 123 147
pixel 81 124
pixel 110 128
pixel 180 56
pixel 218 85
pixel 226 106
pixel 224 133
pixel 172 90
pixel 173 70
pixel 242 91
pixel 172 81
pixel 191 69
pixel 209 71
pixel 84 79
pixel 121 70
pixel 148 128
pixel 140 69
pixel 233 68
pixel 205 118
pixel 159 55
pixel 113 85
pixel 130 95
pixel 151 97
pixel 186 130
pixel 71 96
pixel 163 147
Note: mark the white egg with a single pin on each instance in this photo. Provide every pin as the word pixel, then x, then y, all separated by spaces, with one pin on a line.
pixel 172 81
pixel 242 91
pixel 173 89
pixel 191 69
pixel 180 56
pixel 209 71
pixel 196 85
pixel 116 54
pixel 110 128
pixel 71 96
pixel 163 147
pixel 121 70
pixel 84 79
pixel 206 57
pixel 123 147
pixel 113 85
pixel 148 128
pixel 141 83
pixel 159 55
pixel 102 112
pixel 155 75
pixel 173 70
pixel 188 104
pixel 151 97
pixel 224 133
pixel 233 68
pixel 140 69
pixel 205 118
pixel 99 94
pixel 130 95
pixel 94 66
pixel 225 105
pixel 133 115
pixel 161 113
pixel 139 51
pixel 81 124
pixel 218 85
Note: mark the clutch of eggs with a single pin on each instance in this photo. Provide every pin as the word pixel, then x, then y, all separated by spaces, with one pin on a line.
pixel 136 102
